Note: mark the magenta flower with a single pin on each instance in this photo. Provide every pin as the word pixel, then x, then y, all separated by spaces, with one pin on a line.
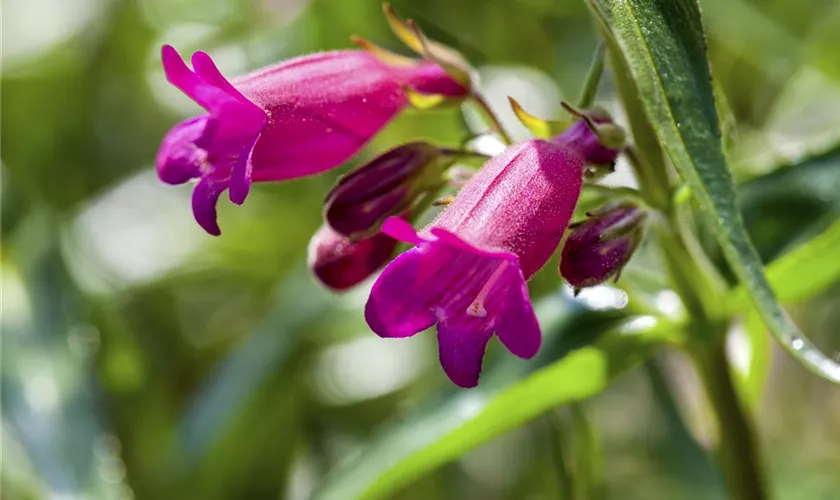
pixel 340 264
pixel 297 118
pixel 468 270
pixel 597 249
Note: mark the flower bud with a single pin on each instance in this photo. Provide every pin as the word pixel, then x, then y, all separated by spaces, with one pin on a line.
pixel 595 135
pixel 598 248
pixel 340 264
pixel 387 185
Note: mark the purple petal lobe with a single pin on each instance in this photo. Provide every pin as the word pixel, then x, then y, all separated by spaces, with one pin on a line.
pixel 179 159
pixel 206 69
pixel 205 196
pixel 517 327
pixel 462 352
pixel 240 177
pixel 398 302
pixel 211 98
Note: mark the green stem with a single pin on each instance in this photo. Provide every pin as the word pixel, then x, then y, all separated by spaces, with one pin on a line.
pixel 464 154
pixel 565 479
pixel 700 291
pixel 655 187
pixel 616 192
pixel 737 444
pixel 495 122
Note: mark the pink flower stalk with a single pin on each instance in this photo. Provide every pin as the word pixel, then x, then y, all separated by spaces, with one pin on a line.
pixel 597 249
pixel 468 270
pixel 297 118
pixel 341 264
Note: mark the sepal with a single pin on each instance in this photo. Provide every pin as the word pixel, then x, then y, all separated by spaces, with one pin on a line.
pixel 450 59
pixel 543 129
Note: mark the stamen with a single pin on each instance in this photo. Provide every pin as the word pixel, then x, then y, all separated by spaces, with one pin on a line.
pixel 476 309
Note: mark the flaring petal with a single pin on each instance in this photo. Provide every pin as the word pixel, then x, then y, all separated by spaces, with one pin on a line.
pixel 241 175
pixel 178 159
pixel 205 196
pixel 397 306
pixel 207 70
pixel 401 230
pixel 211 98
pixel 462 352
pixel 517 327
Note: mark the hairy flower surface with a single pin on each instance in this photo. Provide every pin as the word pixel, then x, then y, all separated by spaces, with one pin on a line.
pixel 297 118
pixel 467 272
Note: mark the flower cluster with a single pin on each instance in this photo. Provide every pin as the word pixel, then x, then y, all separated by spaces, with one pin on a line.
pixel 467 270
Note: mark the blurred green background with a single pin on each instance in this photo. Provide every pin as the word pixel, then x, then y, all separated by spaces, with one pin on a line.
pixel 143 358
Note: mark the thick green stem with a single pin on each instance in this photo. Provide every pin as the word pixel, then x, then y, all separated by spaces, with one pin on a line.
pixel 737 444
pixel 700 291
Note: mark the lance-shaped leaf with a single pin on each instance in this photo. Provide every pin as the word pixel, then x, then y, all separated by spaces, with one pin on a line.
pixel 578 360
pixel 665 49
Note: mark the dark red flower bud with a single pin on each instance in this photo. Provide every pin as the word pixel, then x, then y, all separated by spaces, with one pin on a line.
pixel 598 248
pixel 340 264
pixel 388 185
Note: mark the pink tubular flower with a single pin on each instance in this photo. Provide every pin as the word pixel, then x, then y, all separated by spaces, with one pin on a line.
pixel 340 264
pixel 298 118
pixel 468 270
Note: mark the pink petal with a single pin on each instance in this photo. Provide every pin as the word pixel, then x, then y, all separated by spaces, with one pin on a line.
pixel 237 117
pixel 207 70
pixel 401 230
pixel 398 302
pixel 207 96
pixel 517 326
pixel 462 352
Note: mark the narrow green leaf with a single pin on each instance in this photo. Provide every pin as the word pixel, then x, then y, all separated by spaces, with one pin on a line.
pixel 792 205
pixel 224 394
pixel 651 162
pixel 804 272
pixel 470 418
pixel 593 79
pixel 798 275
pixel 665 49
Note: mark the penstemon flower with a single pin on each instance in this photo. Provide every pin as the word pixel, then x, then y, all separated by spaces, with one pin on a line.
pixel 468 269
pixel 297 118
